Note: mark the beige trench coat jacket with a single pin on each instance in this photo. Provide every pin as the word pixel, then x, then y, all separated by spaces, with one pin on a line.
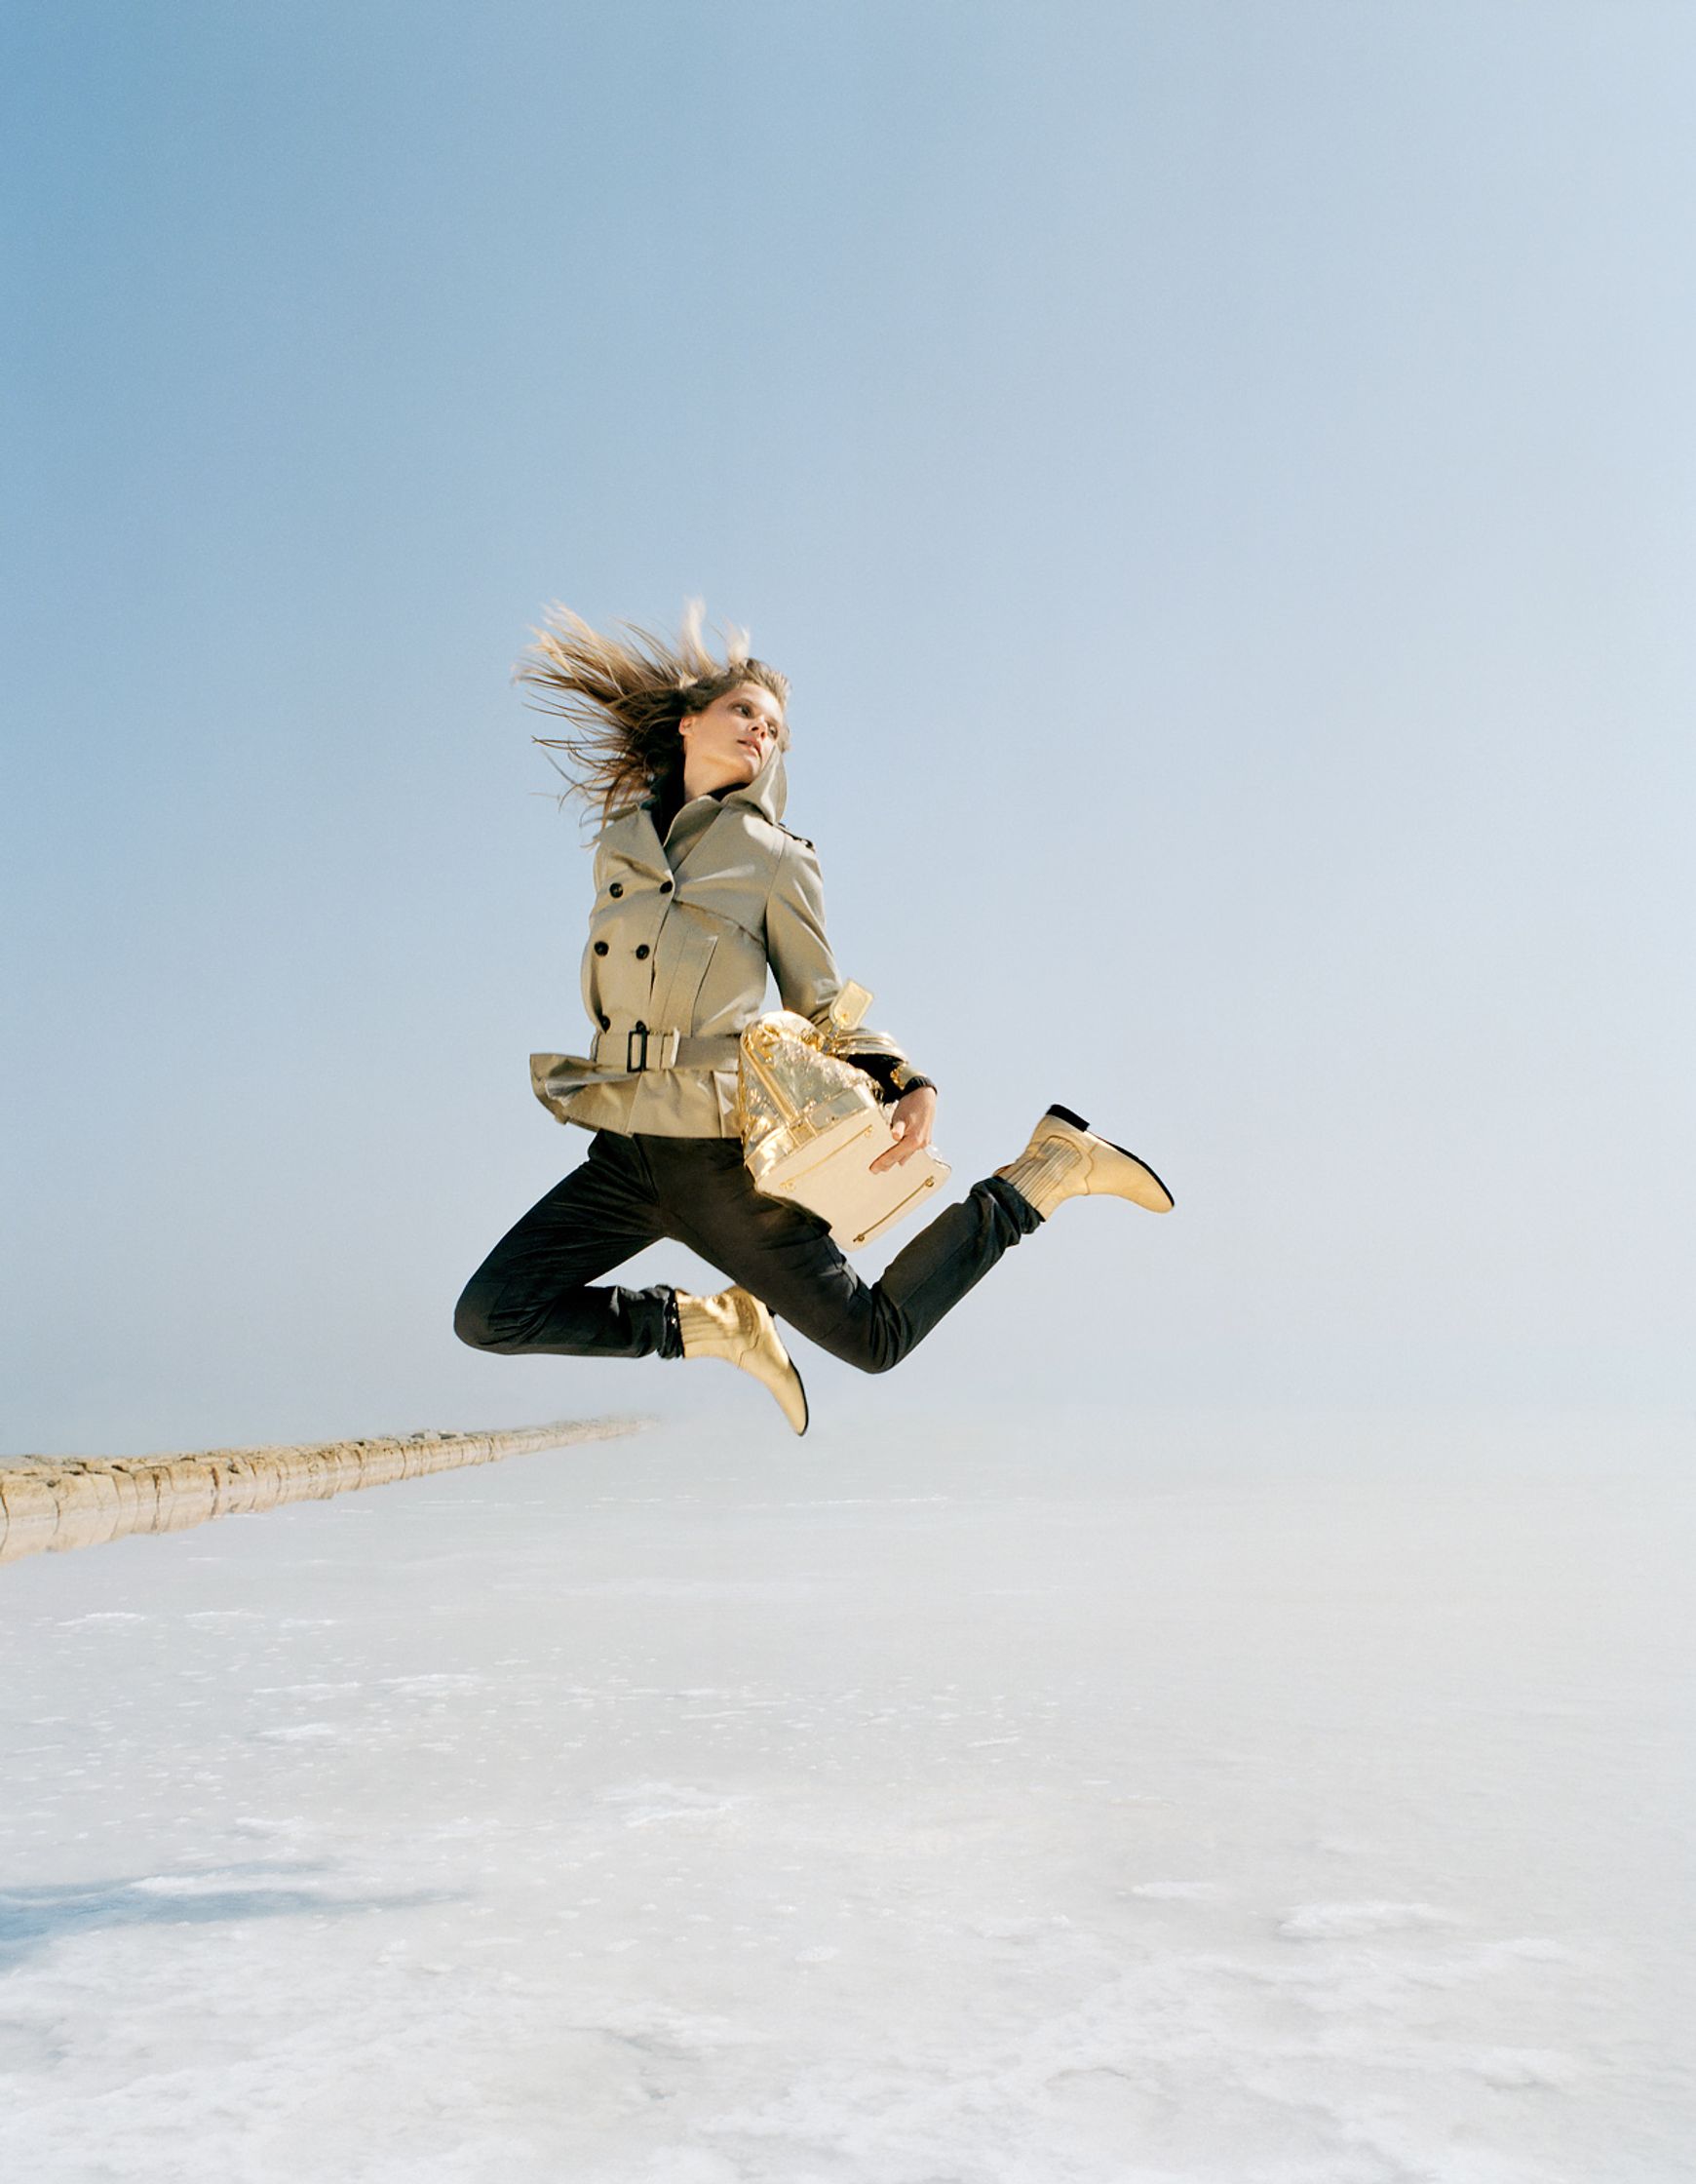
pixel 681 937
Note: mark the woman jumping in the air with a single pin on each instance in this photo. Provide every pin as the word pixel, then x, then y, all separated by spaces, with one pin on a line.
pixel 700 891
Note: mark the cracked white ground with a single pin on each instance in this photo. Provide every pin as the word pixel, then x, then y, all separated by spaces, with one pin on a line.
pixel 1109 1799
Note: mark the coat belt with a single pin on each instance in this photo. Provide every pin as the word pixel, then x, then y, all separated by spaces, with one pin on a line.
pixel 632 1053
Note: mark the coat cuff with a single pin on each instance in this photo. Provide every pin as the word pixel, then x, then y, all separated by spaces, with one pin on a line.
pixel 892 1073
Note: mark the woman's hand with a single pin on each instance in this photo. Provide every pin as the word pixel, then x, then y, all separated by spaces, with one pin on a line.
pixel 914 1112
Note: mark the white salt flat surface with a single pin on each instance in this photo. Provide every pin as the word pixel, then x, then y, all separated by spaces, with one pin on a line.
pixel 1091 1802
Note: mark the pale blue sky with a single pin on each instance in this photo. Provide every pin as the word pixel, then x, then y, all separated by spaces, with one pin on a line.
pixel 1221 479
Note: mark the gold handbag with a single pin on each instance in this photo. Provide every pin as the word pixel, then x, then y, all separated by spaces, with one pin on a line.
pixel 811 1125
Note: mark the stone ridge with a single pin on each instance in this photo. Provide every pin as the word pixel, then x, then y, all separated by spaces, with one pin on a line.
pixel 48 1503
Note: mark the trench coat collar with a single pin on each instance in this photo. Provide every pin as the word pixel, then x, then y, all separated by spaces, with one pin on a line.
pixel 632 831
pixel 767 793
pixel 769 790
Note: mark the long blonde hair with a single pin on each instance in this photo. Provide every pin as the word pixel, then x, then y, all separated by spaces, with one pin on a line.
pixel 625 695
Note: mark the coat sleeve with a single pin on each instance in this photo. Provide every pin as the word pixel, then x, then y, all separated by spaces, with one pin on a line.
pixel 802 961
pixel 796 941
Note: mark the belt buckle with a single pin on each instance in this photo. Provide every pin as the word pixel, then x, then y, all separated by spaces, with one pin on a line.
pixel 664 1046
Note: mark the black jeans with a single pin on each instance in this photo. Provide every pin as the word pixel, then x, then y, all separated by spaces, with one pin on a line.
pixel 533 1292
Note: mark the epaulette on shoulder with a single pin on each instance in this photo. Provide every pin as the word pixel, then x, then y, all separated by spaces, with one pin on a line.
pixel 794 837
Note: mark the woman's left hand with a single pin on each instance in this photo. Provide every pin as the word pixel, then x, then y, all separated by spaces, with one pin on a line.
pixel 914 1112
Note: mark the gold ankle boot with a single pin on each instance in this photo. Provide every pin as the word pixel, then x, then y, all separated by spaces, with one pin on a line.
pixel 1065 1159
pixel 738 1328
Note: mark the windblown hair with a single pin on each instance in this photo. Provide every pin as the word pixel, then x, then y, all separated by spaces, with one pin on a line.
pixel 624 696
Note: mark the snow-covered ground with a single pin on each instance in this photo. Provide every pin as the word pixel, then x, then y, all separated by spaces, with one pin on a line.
pixel 1111 1799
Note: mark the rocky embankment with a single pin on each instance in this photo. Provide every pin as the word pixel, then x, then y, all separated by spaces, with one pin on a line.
pixel 48 1503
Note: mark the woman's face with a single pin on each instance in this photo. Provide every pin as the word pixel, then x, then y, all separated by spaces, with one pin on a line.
pixel 727 742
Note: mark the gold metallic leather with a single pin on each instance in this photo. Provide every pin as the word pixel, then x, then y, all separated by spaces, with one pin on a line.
pixel 736 1326
pixel 812 1124
pixel 1062 1161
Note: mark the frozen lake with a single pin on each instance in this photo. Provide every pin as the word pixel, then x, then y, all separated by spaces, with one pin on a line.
pixel 1098 1801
